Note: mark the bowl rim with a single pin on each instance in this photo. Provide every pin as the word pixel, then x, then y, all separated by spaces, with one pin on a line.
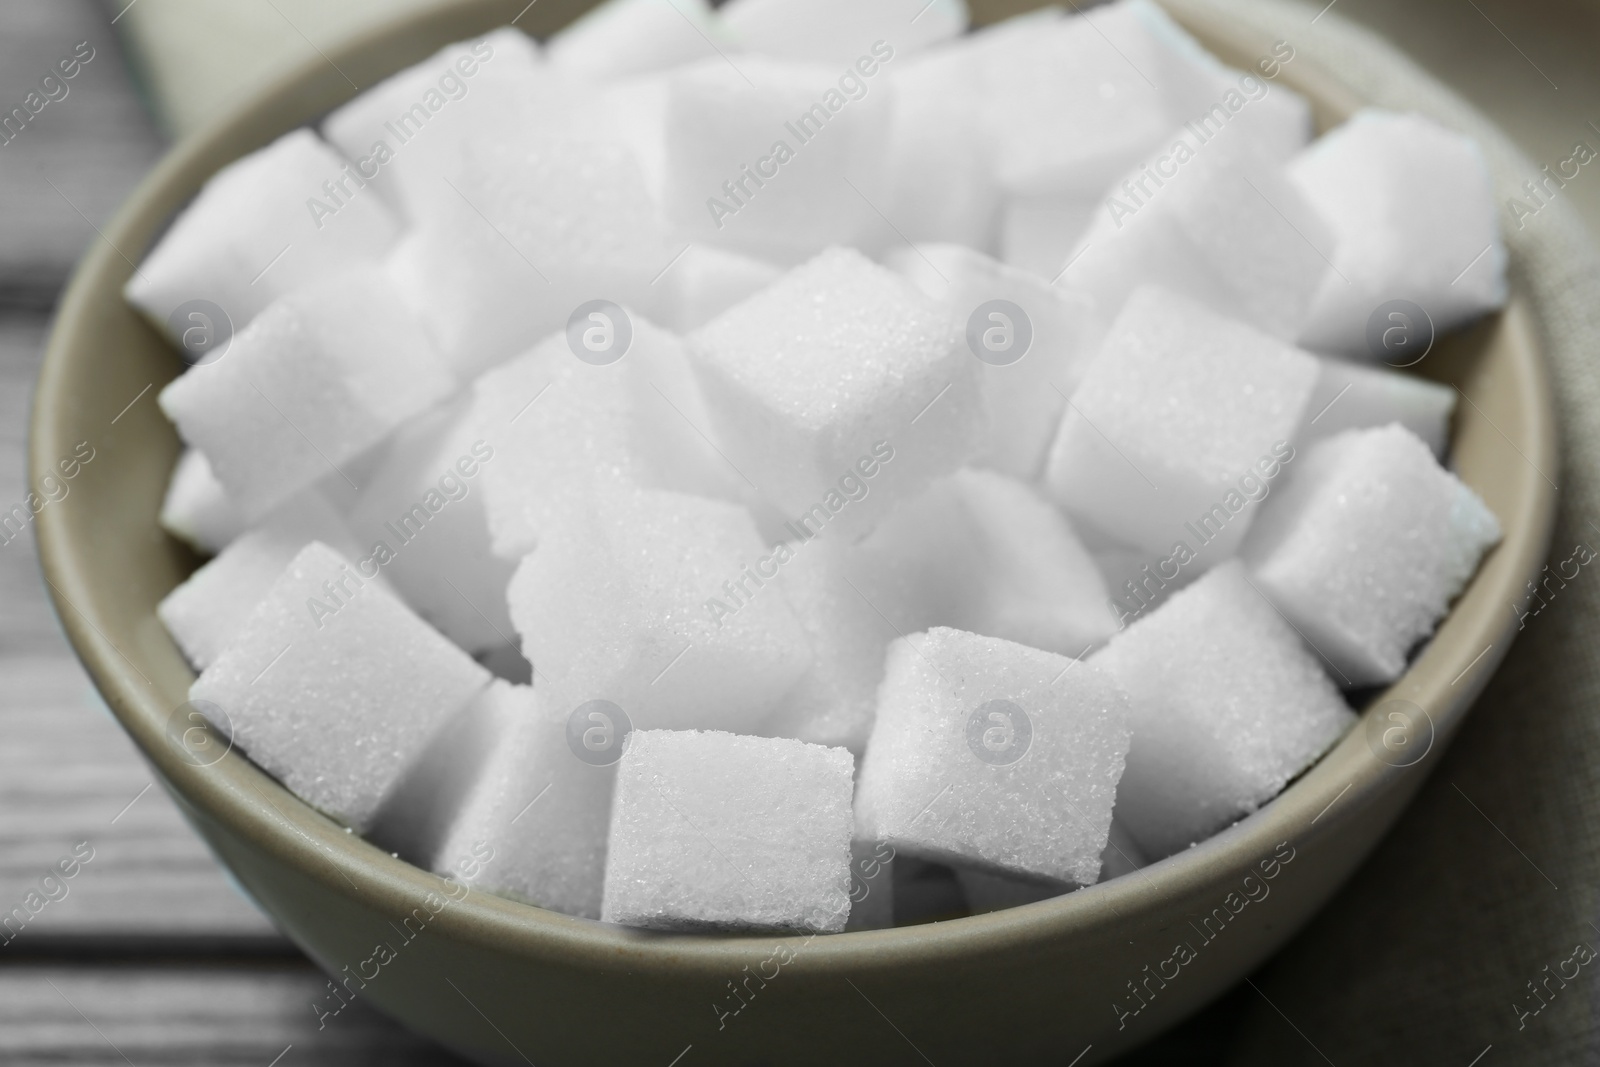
pixel 1347 781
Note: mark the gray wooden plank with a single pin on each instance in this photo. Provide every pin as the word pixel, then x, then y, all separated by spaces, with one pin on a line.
pixel 28 624
pixel 67 769
pixel 70 778
pixel 69 167
pixel 178 1013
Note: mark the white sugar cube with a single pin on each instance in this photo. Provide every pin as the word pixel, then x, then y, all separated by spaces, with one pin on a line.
pixel 196 507
pixel 1227 705
pixel 841 30
pixel 1212 99
pixel 630 113
pixel 205 612
pixel 418 815
pixel 421 515
pixel 335 688
pixel 1366 547
pixel 1205 100
pixel 534 227
pixel 838 389
pixel 1140 581
pixel 705 282
pixel 316 379
pixel 1067 109
pixel 538 809
pixel 635 602
pixel 1220 222
pixel 1416 219
pixel 565 428
pixel 689 850
pixel 1074 102
pixel 762 156
pixel 405 135
pixel 1039 233
pixel 833 702
pixel 1040 585
pixel 1177 411
pixel 1029 363
pixel 254 234
pixel 623 37
pixel 1352 396
pixel 936 127
pixel 941 122
pixel 982 552
pixel 993 754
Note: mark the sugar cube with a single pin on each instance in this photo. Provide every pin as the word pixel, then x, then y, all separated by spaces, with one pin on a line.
pixel 1038 234
pixel 936 127
pixel 1220 222
pixel 1040 587
pixel 196 507
pixel 1227 705
pixel 534 227
pixel 992 754
pixel 638 601
pixel 418 815
pixel 1140 581
pixel 319 377
pixel 1414 212
pixel 254 234
pixel 1031 355
pixel 630 113
pixel 1068 110
pixel 421 515
pixel 833 702
pixel 209 607
pixel 982 552
pixel 335 688
pixel 406 134
pixel 841 30
pixel 538 810
pixel 705 282
pixel 1212 99
pixel 773 158
pixel 1180 410
pixel 623 37
pixel 1366 547
pixel 1353 396
pixel 715 830
pixel 838 388
pixel 564 429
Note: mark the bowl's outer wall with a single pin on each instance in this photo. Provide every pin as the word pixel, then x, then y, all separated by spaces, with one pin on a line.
pixel 508 984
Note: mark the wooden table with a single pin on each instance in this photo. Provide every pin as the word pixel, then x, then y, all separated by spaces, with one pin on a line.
pixel 152 957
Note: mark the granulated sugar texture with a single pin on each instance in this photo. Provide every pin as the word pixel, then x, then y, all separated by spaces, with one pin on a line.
pixel 675 468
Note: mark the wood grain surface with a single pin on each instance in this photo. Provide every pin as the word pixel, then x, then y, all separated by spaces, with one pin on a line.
pixel 147 954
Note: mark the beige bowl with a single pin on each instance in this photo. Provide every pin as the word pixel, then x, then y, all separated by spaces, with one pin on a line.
pixel 507 983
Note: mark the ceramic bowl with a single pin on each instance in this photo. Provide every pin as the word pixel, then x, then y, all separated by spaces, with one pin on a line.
pixel 505 983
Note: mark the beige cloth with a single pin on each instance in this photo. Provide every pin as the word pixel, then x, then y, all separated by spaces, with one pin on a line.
pixel 1426 957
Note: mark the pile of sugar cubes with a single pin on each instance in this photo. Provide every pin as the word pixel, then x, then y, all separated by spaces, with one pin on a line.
pixel 810 464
